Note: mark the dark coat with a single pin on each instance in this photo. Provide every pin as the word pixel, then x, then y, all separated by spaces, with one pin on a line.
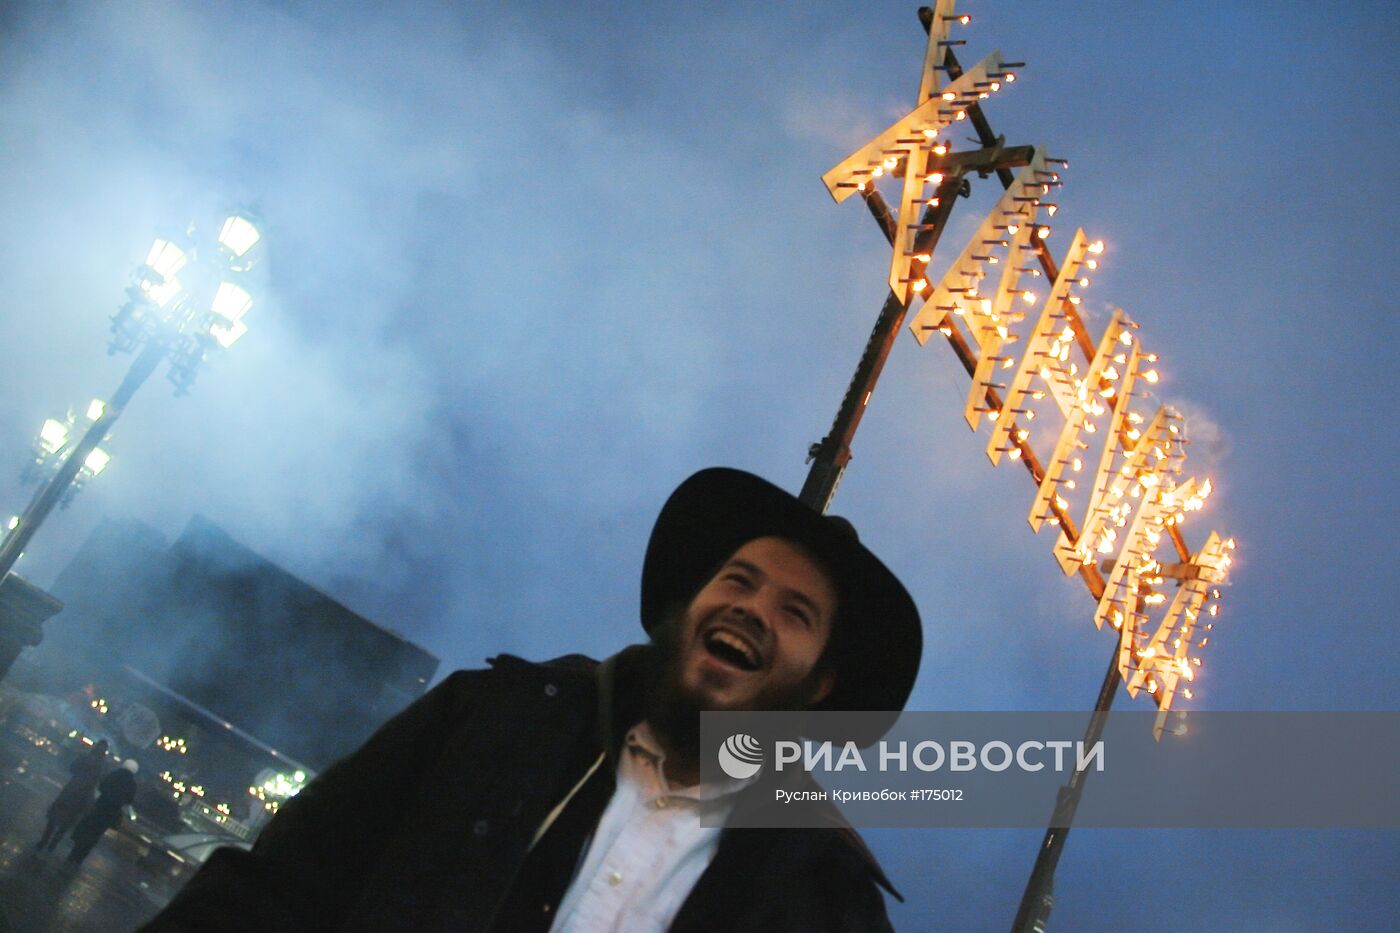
pixel 426 826
pixel 76 796
pixel 116 791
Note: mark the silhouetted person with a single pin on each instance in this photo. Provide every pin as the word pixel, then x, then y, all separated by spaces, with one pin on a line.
pixel 75 798
pixel 117 790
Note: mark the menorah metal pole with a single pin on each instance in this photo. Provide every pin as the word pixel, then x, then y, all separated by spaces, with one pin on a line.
pixel 1037 899
pixel 830 455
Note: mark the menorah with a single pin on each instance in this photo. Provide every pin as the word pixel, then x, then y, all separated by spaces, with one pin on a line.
pixel 1048 393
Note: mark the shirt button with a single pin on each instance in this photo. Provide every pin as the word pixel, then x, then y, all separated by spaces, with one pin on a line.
pixel 614 878
pixel 550 690
pixel 480 827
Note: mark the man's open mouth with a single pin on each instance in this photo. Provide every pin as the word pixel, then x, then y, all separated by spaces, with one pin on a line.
pixel 732 650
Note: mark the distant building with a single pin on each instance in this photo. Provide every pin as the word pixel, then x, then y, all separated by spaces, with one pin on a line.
pixel 230 633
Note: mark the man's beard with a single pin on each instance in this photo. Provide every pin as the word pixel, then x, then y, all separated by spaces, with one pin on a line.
pixel 674 712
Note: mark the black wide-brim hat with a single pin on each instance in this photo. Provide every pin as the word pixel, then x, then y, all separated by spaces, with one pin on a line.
pixel 878 641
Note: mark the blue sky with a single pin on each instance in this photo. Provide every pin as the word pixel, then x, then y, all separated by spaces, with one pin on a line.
pixel 532 264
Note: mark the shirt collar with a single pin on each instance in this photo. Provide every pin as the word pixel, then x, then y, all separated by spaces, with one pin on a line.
pixel 640 744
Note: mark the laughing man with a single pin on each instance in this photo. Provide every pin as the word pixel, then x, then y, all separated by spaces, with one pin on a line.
pixel 565 796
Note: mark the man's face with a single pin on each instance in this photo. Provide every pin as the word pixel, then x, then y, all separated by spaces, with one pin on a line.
pixel 751 638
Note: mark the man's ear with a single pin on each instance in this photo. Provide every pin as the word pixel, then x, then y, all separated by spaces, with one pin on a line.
pixel 826 681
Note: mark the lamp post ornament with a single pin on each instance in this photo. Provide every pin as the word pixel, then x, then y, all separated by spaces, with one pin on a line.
pixel 165 317
pixel 1111 480
pixel 51 448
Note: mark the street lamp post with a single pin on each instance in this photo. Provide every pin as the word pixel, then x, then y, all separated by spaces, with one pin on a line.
pixel 50 493
pixel 164 317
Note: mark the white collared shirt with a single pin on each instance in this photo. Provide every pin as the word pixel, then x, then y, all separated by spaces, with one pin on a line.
pixel 648 849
